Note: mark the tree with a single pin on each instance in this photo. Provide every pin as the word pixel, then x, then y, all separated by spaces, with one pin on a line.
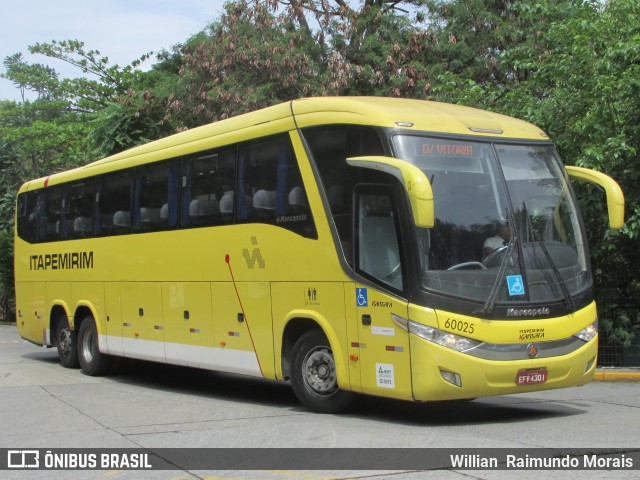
pixel 100 84
pixel 7 289
pixel 261 53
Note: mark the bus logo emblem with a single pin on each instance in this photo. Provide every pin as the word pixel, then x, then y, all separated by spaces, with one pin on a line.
pixel 23 458
pixel 532 350
pixel 255 256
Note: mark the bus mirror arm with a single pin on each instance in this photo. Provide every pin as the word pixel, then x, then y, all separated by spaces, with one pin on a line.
pixel 414 180
pixel 615 197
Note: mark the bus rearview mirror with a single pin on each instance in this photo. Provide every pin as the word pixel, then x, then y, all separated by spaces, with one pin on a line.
pixel 615 197
pixel 413 179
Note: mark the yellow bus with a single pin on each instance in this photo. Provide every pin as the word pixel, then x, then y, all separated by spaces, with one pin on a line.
pixel 392 247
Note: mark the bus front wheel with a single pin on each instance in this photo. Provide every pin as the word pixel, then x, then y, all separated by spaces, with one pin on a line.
pixel 92 361
pixel 313 375
pixel 67 343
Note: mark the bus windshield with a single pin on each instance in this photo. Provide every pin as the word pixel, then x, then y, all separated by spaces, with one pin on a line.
pixel 507 227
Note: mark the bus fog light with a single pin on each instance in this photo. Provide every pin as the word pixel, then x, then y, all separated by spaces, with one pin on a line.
pixel 451 377
pixel 588 333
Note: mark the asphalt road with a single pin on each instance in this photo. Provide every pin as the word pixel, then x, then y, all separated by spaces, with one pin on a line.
pixel 149 406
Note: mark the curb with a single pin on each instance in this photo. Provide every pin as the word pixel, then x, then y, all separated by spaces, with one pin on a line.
pixel 617 375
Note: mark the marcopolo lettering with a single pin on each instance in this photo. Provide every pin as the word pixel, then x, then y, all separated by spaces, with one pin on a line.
pixel 528 312
pixel 61 261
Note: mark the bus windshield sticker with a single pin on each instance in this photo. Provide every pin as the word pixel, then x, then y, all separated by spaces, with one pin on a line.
pixel 515 285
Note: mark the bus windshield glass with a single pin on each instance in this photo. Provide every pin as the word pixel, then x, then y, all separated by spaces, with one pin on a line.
pixel 507 225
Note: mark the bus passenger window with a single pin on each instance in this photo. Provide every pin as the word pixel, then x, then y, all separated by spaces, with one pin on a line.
pixel 51 223
pixel 208 193
pixel 113 197
pixel 257 179
pixel 156 196
pixel 81 198
pixel 28 216
pixel 273 189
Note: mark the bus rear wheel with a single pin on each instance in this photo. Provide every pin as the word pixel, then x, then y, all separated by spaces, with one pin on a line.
pixel 313 375
pixel 92 361
pixel 66 341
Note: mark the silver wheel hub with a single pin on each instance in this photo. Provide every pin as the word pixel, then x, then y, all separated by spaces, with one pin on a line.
pixel 87 347
pixel 319 371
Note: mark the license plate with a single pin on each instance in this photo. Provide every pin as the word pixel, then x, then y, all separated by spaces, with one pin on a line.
pixel 530 377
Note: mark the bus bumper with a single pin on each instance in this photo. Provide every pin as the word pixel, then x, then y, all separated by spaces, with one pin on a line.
pixel 439 373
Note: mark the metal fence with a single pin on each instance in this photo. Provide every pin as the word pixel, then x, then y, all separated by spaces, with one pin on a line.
pixel 620 304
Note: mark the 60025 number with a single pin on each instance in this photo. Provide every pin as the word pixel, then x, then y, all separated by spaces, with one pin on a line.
pixel 459 325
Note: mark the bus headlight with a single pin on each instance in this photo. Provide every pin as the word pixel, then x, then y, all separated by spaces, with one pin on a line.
pixel 588 333
pixel 445 339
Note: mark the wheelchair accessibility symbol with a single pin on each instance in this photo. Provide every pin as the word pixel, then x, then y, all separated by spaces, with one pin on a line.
pixel 362 298
pixel 515 285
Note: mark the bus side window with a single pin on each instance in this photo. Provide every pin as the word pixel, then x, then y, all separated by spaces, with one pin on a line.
pixel 28 216
pixel 156 196
pixel 378 247
pixel 51 221
pixel 113 196
pixel 208 188
pixel 273 191
pixel 330 146
pixel 257 180
pixel 81 208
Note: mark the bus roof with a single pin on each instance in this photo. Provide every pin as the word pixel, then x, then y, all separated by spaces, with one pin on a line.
pixel 412 115
pixel 397 113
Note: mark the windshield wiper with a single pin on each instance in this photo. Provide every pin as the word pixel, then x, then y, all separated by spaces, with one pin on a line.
pixel 535 235
pixel 495 288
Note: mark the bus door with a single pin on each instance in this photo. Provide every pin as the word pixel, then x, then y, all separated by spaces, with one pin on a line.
pixel 383 345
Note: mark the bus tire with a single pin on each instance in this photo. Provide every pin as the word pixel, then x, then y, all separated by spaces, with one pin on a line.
pixel 313 375
pixel 92 361
pixel 66 341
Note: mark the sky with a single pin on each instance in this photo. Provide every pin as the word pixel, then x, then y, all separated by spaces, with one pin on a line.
pixel 122 30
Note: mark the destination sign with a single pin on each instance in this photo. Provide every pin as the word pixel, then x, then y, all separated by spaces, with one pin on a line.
pixel 447 149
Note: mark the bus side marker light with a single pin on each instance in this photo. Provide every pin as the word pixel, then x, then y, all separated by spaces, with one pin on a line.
pixel 354 357
pixel 136 334
pixel 223 344
pixel 392 348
